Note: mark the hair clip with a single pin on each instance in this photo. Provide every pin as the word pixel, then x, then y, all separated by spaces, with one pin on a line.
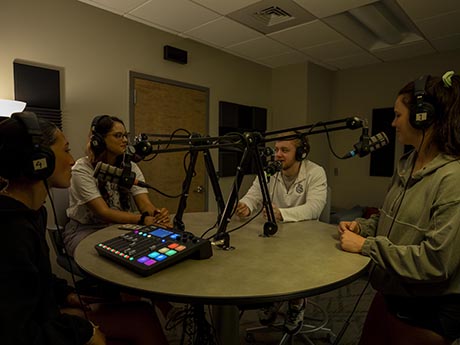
pixel 447 78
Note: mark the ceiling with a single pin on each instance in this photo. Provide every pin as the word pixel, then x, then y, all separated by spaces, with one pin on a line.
pixel 336 34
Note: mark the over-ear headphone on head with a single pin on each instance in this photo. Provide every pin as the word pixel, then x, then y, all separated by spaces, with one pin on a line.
pixel 302 151
pixel 422 112
pixel 97 140
pixel 38 161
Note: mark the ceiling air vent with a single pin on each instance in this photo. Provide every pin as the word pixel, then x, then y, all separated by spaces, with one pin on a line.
pixel 269 16
pixel 273 15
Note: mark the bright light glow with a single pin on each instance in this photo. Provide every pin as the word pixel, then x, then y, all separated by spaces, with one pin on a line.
pixel 8 107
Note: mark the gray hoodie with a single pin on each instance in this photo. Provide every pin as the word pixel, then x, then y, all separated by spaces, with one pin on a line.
pixel 421 254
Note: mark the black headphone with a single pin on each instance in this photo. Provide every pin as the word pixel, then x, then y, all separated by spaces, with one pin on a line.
pixel 38 161
pixel 97 140
pixel 302 151
pixel 422 112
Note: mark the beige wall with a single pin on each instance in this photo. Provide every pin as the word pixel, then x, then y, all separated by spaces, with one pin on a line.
pixel 319 107
pixel 289 96
pixel 357 92
pixel 96 49
pixel 336 95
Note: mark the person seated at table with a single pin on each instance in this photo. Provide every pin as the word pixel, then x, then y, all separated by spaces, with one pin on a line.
pixel 297 193
pixel 93 204
pixel 37 307
pixel 414 241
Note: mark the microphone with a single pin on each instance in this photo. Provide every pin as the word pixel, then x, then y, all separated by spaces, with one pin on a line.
pixel 142 147
pixel 267 152
pixel 368 144
pixel 273 167
pixel 122 177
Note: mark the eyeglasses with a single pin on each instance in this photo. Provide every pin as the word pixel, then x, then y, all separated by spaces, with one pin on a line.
pixel 119 135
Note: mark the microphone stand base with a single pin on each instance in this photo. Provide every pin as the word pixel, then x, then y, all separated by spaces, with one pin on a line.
pixel 222 241
pixel 270 228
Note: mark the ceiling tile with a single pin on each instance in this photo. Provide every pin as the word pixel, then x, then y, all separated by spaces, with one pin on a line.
pixel 223 32
pixel 284 59
pixel 440 26
pixel 330 41
pixel 331 50
pixel 269 16
pixel 260 48
pixel 324 8
pixel 447 43
pixel 306 35
pixel 353 61
pixel 116 6
pixel 404 51
pixel 153 25
pixel 178 15
pixel 418 9
pixel 225 6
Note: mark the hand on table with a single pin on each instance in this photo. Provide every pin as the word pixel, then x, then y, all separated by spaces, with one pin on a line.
pixel 351 242
pixel 350 226
pixel 276 212
pixel 242 210
pixel 160 216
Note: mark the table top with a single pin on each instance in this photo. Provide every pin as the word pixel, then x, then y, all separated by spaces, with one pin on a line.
pixel 302 259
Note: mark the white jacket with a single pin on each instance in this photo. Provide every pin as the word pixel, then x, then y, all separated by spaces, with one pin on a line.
pixel 305 199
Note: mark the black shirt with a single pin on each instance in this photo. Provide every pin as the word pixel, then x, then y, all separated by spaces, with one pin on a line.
pixel 29 292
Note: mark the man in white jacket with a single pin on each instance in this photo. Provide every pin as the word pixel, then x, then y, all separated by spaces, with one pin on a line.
pixel 298 192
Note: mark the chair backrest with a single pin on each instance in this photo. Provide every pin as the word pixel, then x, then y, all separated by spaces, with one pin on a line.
pixel 61 202
pixel 325 215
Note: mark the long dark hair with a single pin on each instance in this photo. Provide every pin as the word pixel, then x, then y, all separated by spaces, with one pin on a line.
pixel 103 127
pixel 446 101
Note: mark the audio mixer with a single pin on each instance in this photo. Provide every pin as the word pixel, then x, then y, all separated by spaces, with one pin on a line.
pixel 149 249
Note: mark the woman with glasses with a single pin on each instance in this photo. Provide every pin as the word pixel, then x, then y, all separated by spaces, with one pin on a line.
pixel 95 204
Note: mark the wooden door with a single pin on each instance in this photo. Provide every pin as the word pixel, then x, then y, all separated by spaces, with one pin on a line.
pixel 162 106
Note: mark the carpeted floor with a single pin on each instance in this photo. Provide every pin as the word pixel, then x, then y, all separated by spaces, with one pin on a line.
pixel 338 304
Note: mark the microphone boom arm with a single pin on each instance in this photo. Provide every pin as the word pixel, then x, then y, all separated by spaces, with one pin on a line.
pixel 178 222
pixel 251 150
pixel 248 143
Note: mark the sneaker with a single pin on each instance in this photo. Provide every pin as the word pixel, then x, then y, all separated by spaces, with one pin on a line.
pixel 294 318
pixel 268 314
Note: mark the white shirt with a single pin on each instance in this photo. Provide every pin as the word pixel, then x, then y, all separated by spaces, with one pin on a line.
pixel 304 200
pixel 84 188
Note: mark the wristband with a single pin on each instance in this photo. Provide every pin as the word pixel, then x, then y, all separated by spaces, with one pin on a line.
pixel 142 219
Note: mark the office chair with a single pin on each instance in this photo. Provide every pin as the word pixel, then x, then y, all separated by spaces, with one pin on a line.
pixel 379 317
pixel 85 284
pixel 61 202
pixel 315 320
